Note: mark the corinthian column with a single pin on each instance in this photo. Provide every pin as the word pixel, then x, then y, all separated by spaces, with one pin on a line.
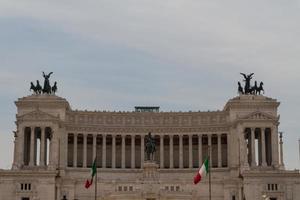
pixel 219 151
pixel 32 147
pixel 142 150
pixel 84 149
pixel 274 146
pixel 190 151
pixel 263 147
pixel 209 149
pixel 123 152
pixel 180 152
pixel 132 151
pixel 75 151
pixel 42 147
pixel 161 151
pixel 103 151
pixel 113 156
pixel 200 149
pixel 171 151
pixel 253 161
pixel 94 147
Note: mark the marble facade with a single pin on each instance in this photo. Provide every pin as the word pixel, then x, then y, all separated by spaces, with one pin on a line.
pixel 55 146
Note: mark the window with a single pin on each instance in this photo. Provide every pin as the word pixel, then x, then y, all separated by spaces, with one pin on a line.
pixel 120 188
pixel 272 187
pixel 233 197
pixel 25 186
pixel 25 198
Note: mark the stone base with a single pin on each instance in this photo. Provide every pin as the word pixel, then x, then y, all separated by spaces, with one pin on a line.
pixel 150 172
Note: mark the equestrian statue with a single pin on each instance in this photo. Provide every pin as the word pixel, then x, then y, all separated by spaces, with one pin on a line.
pixel 149 146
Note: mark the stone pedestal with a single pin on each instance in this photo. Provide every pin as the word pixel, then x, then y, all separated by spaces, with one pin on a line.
pixel 150 179
pixel 150 172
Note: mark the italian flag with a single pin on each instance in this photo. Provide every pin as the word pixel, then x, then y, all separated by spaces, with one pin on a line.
pixel 89 182
pixel 203 171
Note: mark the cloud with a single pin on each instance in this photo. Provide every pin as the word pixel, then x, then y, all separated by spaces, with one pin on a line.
pixel 181 55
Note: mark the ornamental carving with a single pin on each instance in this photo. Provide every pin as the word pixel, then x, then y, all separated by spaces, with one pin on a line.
pixel 37 115
pixel 148 119
pixel 258 116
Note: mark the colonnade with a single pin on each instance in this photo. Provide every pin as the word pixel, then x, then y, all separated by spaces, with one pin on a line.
pixel 262 146
pixel 127 151
pixel 32 155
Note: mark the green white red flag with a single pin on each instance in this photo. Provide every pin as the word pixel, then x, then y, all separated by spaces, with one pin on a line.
pixel 203 171
pixel 89 182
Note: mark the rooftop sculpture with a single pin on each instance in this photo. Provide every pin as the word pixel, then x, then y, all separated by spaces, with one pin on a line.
pixel 47 89
pixel 248 89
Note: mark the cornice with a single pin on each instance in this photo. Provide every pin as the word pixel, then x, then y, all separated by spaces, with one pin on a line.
pixel 155 130
pixel 38 116
pixel 43 100
pixel 127 119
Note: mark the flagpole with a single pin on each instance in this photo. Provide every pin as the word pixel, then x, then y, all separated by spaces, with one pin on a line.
pixel 209 172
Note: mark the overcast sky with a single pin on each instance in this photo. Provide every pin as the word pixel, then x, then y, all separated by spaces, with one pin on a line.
pixel 177 54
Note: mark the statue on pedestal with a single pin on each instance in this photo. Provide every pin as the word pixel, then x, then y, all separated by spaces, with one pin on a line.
pixel 47 89
pixel 149 146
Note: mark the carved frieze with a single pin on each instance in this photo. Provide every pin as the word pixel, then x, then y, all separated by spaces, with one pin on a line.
pixel 37 115
pixel 128 119
pixel 140 130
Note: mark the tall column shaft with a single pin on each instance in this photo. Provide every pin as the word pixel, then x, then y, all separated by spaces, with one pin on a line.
pixel 263 147
pixel 18 147
pixel 171 152
pixel 32 147
pixel 103 151
pixel 94 146
pixel 142 150
pixel 113 154
pixel 200 150
pixel 274 146
pixel 180 152
pixel 210 149
pixel 219 151
pixel 84 149
pixel 253 161
pixel 75 151
pixel 161 151
pixel 42 147
pixel 281 151
pixel 123 152
pixel 132 151
pixel 190 151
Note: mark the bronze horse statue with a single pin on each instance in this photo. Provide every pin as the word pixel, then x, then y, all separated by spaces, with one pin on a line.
pixel 150 146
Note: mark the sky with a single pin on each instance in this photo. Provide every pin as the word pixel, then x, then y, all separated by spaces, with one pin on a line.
pixel 180 55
